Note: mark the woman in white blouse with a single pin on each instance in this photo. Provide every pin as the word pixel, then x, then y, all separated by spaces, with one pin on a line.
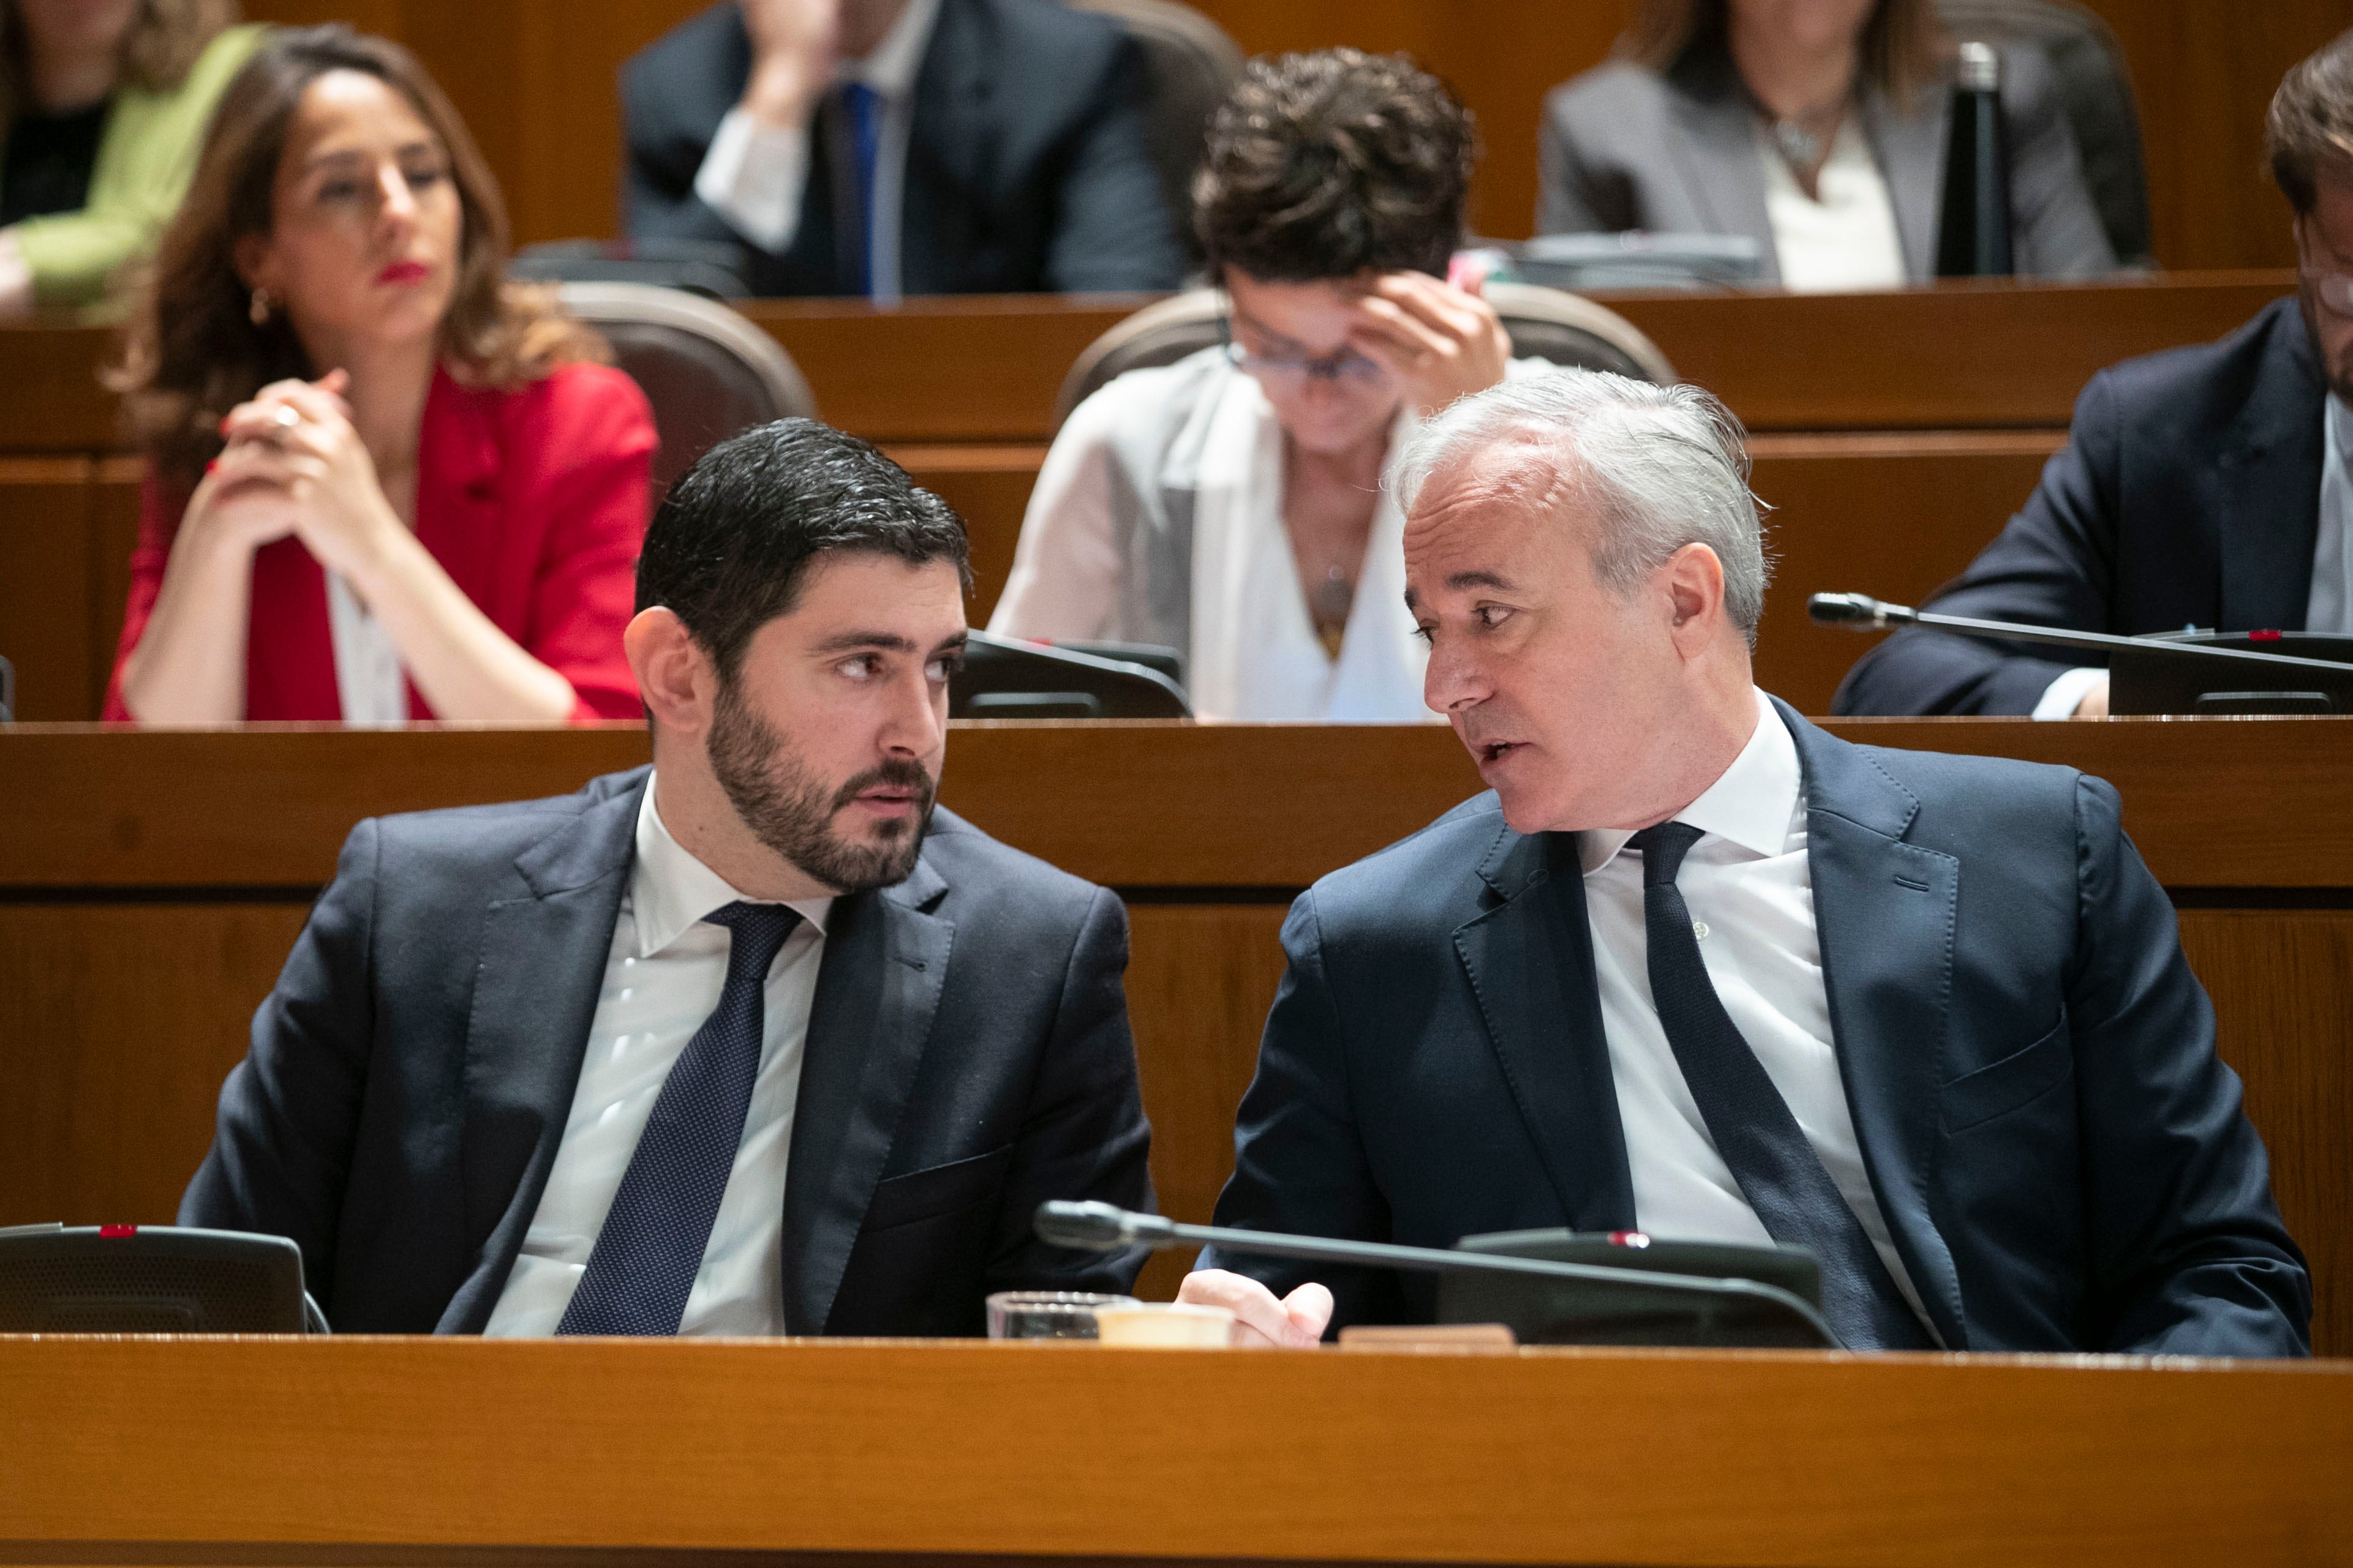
pixel 1816 127
pixel 1231 505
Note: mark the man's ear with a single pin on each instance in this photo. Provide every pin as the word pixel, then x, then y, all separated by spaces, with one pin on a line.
pixel 675 676
pixel 1695 583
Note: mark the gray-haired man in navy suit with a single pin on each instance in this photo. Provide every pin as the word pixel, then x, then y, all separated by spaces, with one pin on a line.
pixel 759 1042
pixel 1699 969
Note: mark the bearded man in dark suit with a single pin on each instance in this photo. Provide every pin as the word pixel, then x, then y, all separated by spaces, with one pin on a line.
pixel 757 1041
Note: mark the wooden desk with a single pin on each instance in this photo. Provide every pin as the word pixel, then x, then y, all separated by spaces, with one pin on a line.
pixel 1950 357
pixel 150 885
pixel 1895 434
pixel 361 1451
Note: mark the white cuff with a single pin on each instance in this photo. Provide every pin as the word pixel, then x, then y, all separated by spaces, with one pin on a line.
pixel 752 176
pixel 2060 698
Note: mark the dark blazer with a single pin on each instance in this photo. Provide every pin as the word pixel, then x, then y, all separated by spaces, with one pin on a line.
pixel 1027 169
pixel 1624 147
pixel 409 1079
pixel 2188 494
pixel 2061 1158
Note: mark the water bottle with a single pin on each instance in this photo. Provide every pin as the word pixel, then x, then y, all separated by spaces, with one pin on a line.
pixel 1973 234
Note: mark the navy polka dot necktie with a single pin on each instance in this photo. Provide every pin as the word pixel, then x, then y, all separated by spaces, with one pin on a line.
pixel 651 1249
pixel 1778 1168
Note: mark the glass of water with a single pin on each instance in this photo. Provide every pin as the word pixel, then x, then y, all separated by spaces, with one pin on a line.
pixel 1047 1314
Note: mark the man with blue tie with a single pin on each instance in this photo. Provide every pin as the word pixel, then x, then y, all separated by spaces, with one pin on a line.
pixel 759 1041
pixel 886 148
pixel 1698 969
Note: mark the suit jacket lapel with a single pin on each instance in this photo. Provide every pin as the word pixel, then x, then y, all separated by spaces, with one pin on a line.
pixel 2268 485
pixel 886 960
pixel 1910 151
pixel 1717 155
pixel 1885 911
pixel 952 143
pixel 1530 963
pixel 535 992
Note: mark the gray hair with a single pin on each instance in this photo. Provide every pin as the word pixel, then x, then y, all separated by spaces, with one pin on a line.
pixel 1663 467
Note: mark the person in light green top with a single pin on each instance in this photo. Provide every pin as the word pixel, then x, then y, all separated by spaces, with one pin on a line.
pixel 102 110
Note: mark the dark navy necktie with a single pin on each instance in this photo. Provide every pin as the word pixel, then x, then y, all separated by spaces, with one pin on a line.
pixel 1778 1170
pixel 865 106
pixel 651 1249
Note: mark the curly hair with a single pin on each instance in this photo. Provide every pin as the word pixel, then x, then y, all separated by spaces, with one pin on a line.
pixel 1332 164
pixel 191 350
pixel 165 39
pixel 2311 122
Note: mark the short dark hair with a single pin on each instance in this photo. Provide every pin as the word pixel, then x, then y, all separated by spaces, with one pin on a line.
pixel 731 546
pixel 2311 121
pixel 1327 165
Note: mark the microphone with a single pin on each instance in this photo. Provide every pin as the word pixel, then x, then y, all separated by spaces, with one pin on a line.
pixel 1630 1294
pixel 2151 674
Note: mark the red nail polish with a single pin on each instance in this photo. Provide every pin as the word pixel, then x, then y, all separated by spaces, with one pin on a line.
pixel 211 466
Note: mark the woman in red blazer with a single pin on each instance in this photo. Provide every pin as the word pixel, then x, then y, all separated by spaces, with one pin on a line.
pixel 385 483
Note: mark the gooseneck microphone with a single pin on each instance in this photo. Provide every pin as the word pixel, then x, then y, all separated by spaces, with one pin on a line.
pixel 1862 613
pixel 1107 1228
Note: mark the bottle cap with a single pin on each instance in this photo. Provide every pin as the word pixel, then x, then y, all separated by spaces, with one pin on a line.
pixel 1980 67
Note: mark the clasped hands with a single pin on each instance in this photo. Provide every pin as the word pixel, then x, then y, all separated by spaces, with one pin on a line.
pixel 294 465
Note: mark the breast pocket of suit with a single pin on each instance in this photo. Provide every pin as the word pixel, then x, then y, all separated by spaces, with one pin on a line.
pixel 937 1191
pixel 923 1254
pixel 2011 1168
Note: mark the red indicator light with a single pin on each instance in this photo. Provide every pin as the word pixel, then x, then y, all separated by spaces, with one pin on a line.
pixel 1629 1238
pixel 2263 636
pixel 117 1232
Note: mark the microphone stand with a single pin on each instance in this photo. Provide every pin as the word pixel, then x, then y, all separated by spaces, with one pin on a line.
pixel 1105 1227
pixel 1862 613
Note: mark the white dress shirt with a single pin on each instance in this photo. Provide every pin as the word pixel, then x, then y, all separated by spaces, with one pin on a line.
pixel 371 684
pixel 1845 240
pixel 2329 605
pixel 754 175
pixel 1751 896
pixel 1254 654
pixel 662 979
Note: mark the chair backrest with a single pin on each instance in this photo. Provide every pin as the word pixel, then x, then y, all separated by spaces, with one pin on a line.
pixel 716 269
pixel 2096 89
pixel 708 372
pixel 1190 66
pixel 1544 323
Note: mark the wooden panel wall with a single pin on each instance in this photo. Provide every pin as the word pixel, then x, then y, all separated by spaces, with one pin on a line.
pixel 535 82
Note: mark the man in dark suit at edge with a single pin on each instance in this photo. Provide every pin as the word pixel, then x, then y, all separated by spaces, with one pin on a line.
pixel 893 147
pixel 757 1042
pixel 2202 487
pixel 1697 968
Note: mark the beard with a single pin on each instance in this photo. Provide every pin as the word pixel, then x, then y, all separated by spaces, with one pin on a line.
pixel 791 810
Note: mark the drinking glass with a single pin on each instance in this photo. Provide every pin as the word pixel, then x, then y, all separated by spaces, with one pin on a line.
pixel 1047 1314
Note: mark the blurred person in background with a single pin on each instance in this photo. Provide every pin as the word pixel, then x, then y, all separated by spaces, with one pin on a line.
pixel 1815 126
pixel 102 105
pixel 2203 486
pixel 384 484
pixel 1233 505
pixel 888 147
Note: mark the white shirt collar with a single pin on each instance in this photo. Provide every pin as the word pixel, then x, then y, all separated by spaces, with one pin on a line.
pixel 671 890
pixel 1751 805
pixel 890 69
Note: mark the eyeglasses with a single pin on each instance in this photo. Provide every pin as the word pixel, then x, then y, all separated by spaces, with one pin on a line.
pixel 2334 290
pixel 1346 366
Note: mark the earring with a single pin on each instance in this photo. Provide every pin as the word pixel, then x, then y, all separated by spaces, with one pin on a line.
pixel 259 311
